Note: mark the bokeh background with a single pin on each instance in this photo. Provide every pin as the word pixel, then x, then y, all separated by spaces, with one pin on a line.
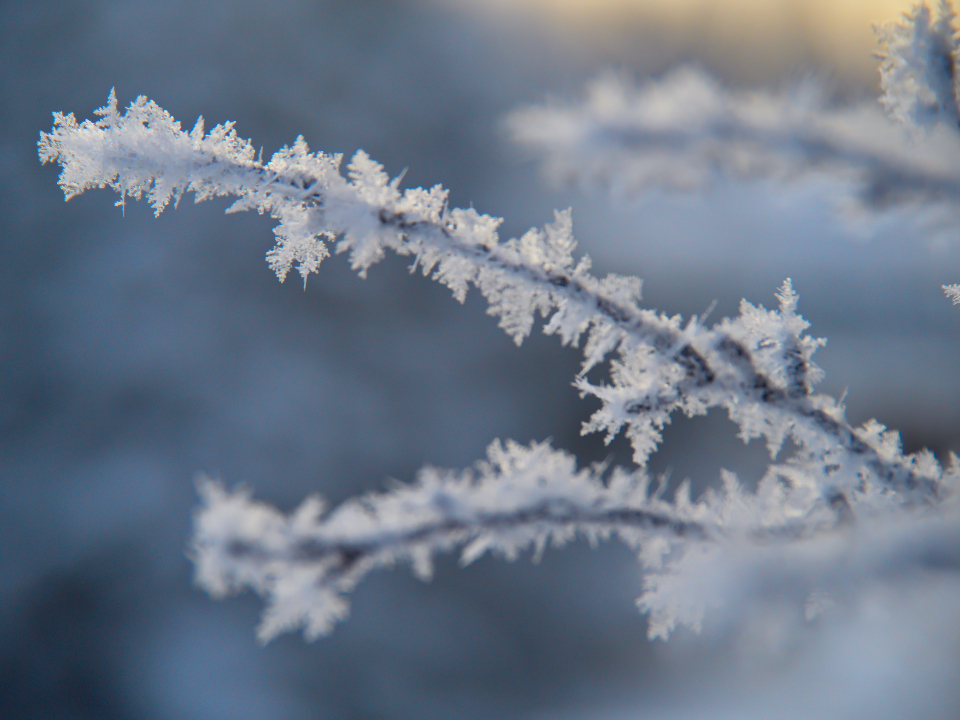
pixel 137 352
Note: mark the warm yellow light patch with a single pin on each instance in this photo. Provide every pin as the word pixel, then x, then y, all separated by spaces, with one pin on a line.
pixel 753 38
pixel 750 11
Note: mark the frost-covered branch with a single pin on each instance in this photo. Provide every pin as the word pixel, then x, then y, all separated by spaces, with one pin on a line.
pixel 918 69
pixel 757 367
pixel 522 497
pixel 686 132
pixel 730 546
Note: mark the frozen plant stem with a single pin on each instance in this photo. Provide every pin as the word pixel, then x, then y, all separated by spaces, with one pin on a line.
pixel 531 497
pixel 521 497
pixel 758 366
